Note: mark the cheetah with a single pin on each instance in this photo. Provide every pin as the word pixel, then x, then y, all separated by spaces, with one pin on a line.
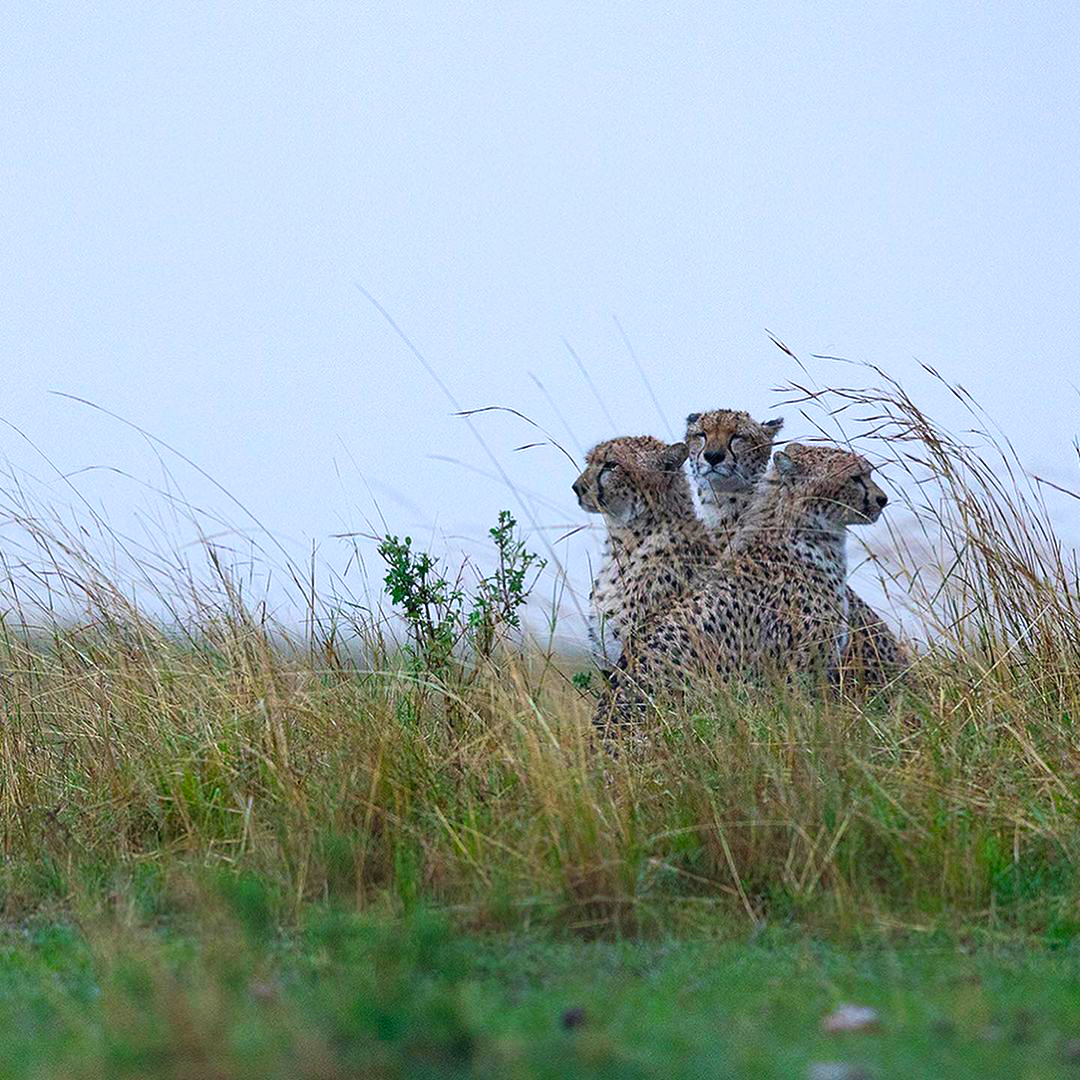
pixel 728 454
pixel 778 601
pixel 656 546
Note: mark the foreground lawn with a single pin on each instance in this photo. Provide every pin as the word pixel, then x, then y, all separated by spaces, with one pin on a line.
pixel 345 996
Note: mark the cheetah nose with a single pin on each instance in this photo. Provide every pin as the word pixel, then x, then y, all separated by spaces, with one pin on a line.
pixel 579 488
pixel 714 457
pixel 882 500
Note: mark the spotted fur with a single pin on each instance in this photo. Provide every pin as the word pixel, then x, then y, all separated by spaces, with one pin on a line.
pixel 728 455
pixel 656 547
pixel 778 602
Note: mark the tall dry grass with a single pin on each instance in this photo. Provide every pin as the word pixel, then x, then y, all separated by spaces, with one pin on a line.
pixel 142 744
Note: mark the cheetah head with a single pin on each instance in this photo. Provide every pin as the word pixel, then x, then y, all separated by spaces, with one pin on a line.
pixel 624 478
pixel 728 451
pixel 829 484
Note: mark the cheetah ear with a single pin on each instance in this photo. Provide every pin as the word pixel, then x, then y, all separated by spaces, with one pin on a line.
pixel 773 426
pixel 785 467
pixel 672 457
pixel 693 418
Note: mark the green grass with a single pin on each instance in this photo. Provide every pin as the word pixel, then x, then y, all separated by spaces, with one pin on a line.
pixel 125 768
pixel 343 996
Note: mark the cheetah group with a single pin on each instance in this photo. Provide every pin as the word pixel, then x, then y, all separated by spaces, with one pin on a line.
pixel 720 565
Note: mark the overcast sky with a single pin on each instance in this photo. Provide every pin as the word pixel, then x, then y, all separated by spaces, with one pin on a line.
pixel 192 192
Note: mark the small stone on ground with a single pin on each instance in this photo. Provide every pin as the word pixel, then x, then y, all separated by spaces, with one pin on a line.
pixel 851 1018
pixel 572 1018
pixel 837 1070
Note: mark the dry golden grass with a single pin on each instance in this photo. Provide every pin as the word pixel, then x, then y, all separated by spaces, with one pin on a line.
pixel 137 749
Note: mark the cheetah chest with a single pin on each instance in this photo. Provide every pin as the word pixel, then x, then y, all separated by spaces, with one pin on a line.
pixel 631 587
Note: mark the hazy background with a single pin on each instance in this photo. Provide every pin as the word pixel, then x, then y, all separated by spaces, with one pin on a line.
pixel 190 193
